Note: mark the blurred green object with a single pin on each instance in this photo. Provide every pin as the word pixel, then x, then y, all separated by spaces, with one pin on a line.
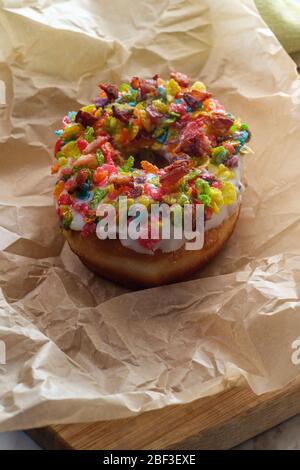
pixel 283 18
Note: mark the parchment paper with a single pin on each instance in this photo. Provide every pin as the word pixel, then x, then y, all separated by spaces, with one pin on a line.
pixel 79 348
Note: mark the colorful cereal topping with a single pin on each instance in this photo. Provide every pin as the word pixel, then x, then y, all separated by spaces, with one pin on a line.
pixel 152 140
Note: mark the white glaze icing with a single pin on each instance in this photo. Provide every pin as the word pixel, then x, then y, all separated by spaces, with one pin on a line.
pixel 77 222
pixel 165 246
pixel 172 244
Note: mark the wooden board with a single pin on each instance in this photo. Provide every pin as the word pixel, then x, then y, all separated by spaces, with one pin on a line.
pixel 218 422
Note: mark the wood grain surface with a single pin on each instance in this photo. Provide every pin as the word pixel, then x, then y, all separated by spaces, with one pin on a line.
pixel 218 422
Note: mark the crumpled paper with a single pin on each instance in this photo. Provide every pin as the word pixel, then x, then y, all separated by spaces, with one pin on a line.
pixel 79 348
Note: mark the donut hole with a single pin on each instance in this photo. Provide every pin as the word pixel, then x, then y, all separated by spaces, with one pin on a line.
pixel 150 156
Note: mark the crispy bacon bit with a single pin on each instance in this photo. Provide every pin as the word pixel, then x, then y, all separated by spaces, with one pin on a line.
pixel 213 140
pixel 111 90
pixel 221 123
pixel 195 98
pixel 181 78
pixel 201 95
pixel 191 130
pixel 147 86
pixel 123 115
pixel 193 140
pixel 176 164
pixel 190 100
pixel 201 145
pixel 173 173
pixel 84 118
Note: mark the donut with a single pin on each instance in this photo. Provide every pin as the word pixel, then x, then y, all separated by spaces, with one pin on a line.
pixel 151 141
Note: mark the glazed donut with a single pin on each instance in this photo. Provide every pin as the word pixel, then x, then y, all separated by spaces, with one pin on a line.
pixel 153 141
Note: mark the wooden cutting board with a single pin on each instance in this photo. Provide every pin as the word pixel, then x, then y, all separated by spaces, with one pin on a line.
pixel 218 422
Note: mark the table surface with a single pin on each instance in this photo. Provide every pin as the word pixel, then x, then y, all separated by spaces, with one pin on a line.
pixel 285 436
